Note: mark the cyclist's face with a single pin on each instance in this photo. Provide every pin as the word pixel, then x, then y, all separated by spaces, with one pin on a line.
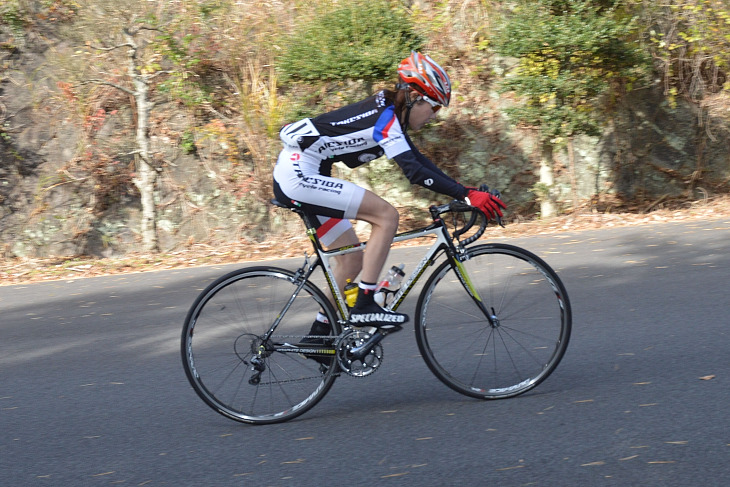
pixel 421 113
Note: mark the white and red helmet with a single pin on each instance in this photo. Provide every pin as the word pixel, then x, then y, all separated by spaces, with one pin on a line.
pixel 426 77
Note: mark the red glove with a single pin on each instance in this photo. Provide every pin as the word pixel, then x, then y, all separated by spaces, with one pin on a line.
pixel 489 204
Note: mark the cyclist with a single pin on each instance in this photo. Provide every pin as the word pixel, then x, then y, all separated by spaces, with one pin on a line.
pixel 355 135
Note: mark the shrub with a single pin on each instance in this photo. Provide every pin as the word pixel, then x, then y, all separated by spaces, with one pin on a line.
pixel 360 39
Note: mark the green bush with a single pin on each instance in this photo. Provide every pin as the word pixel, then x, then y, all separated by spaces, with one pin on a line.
pixel 360 39
pixel 571 55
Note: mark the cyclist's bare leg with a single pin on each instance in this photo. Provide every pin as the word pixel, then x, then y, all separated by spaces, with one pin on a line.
pixel 347 266
pixel 384 220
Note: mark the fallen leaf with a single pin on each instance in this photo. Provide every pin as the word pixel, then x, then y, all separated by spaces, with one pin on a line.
pixel 510 468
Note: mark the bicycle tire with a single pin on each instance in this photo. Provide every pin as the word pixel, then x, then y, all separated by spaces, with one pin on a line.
pixel 529 338
pixel 223 330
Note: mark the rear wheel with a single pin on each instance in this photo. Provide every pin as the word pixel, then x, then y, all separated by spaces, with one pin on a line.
pixel 241 375
pixel 519 348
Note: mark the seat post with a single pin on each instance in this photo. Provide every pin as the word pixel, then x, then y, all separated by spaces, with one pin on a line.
pixel 306 218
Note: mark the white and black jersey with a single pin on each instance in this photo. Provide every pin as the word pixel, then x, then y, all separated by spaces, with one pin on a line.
pixel 357 134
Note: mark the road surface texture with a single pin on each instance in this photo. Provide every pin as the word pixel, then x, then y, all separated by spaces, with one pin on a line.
pixel 93 391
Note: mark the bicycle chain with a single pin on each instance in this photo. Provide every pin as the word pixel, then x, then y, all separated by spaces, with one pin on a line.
pixel 301 379
pixel 348 334
pixel 302 336
pixel 351 337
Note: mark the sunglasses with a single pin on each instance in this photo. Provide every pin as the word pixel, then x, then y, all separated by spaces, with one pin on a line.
pixel 435 106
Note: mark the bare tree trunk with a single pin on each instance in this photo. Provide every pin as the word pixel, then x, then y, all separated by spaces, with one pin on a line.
pixel 547 181
pixel 146 171
pixel 573 176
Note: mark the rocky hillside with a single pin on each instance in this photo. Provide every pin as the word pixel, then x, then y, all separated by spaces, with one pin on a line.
pixel 651 154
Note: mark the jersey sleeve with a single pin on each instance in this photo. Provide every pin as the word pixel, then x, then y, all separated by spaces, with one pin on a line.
pixel 389 135
pixel 417 168
pixel 420 170
pixel 436 181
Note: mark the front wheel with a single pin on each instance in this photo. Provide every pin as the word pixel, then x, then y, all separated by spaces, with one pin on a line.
pixel 235 369
pixel 504 340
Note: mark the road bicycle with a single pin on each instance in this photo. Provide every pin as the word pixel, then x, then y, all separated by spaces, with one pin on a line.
pixel 492 321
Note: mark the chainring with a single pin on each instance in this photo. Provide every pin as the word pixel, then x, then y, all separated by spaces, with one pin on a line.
pixel 351 365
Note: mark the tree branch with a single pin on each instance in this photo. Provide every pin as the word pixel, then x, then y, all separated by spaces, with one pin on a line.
pixel 147 27
pixel 108 83
pixel 158 73
pixel 215 112
pixel 126 44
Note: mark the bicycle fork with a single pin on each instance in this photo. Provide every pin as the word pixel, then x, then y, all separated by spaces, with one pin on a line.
pixel 463 275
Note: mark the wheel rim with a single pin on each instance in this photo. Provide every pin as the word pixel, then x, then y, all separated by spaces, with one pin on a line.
pixel 523 346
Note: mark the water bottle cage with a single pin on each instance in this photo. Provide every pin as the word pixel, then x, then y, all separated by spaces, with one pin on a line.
pixel 387 295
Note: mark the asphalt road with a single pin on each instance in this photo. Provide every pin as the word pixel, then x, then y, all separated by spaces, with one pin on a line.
pixel 93 392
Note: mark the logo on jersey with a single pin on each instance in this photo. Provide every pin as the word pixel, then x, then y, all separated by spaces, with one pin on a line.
pixel 295 157
pixel 428 182
pixel 355 118
pixel 324 185
pixel 294 133
pixel 341 145
pixel 392 140
pixel 365 158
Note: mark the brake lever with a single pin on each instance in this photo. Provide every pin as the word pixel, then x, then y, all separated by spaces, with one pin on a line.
pixel 496 194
